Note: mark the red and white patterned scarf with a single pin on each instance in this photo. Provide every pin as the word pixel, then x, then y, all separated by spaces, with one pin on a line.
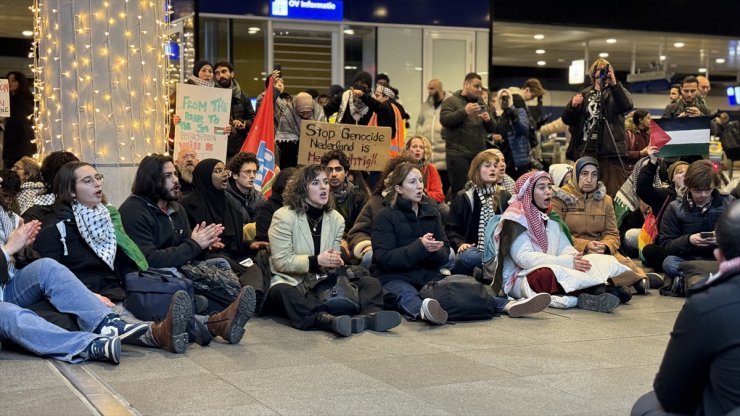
pixel 522 207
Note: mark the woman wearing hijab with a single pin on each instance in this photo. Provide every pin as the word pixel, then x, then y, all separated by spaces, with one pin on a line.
pixel 536 254
pixel 305 238
pixel 589 214
pixel 208 203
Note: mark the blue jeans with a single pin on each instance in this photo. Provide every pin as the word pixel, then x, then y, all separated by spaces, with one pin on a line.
pixel 45 278
pixel 407 296
pixel 672 266
pixel 367 260
pixel 466 261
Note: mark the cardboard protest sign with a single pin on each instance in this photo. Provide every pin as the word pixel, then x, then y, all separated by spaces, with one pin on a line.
pixel 366 147
pixel 204 112
pixel 4 98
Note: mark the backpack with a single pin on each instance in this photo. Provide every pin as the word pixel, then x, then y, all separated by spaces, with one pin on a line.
pixel 731 140
pixel 214 280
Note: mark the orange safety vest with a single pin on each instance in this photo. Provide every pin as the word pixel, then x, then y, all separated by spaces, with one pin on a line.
pixel 398 142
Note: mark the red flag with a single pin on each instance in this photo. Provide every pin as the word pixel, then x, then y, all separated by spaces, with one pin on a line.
pixel 261 141
pixel 658 136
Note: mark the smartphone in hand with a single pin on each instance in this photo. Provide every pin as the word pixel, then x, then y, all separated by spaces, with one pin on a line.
pixel 706 234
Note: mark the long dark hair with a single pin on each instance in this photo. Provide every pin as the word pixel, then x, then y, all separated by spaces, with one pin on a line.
pixel 65 183
pixel 24 88
pixel 148 181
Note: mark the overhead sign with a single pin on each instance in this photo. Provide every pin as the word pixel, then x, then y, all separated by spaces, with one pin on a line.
pixel 4 98
pixel 366 147
pixel 308 9
pixel 204 112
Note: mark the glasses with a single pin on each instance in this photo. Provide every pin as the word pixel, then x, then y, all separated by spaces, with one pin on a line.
pixel 89 180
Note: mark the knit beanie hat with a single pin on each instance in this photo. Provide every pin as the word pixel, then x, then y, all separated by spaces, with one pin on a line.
pixel 364 77
pixel 198 65
pixel 558 172
pixel 582 163
pixel 672 169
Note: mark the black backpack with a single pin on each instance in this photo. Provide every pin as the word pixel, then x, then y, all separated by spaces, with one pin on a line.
pixel 731 140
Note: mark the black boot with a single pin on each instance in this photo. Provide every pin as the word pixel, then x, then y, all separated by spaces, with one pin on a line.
pixel 377 321
pixel 342 324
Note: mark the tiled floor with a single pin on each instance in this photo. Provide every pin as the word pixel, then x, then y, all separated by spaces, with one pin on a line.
pixel 569 362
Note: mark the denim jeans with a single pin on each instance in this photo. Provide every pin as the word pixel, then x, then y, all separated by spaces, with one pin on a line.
pixel 407 296
pixel 672 266
pixel 367 259
pixel 466 261
pixel 45 278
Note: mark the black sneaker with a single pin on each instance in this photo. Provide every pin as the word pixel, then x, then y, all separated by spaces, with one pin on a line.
pixel 642 286
pixel 604 302
pixel 623 294
pixel 114 326
pixel 104 349
pixel 377 321
pixel 656 280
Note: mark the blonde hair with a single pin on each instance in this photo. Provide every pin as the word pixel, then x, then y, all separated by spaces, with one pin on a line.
pixel 598 64
pixel 425 143
pixel 480 159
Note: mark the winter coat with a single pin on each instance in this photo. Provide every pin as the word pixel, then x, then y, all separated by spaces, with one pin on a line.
pixel 163 237
pixel 249 203
pixel 590 217
pixel 359 235
pixel 264 217
pixel 429 126
pixel 242 110
pixel 683 218
pixel 351 205
pixel 464 219
pixel 291 243
pixel 463 133
pixel 432 183
pixel 674 109
pixel 698 374
pixel 397 249
pixel 649 194
pixel 386 116
pixel 514 125
pixel 617 101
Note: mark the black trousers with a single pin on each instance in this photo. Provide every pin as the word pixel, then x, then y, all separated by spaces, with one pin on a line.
pixel 654 257
pixel 457 171
pixel 301 310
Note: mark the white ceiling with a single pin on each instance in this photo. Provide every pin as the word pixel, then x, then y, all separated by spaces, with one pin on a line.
pixel 16 17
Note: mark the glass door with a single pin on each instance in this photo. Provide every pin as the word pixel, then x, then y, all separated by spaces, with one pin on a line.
pixel 448 56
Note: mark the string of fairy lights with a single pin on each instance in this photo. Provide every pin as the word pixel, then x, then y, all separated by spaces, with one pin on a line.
pixel 100 78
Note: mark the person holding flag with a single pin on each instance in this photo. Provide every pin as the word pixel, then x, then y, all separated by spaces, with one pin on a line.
pixel 261 142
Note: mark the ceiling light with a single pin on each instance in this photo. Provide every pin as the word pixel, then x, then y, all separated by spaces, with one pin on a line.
pixel 604 55
pixel 254 29
pixel 679 45
pixel 350 67
pixel 539 51
pixel 539 36
pixel 702 70
pixel 611 40
pixel 662 57
pixel 28 33
pixel 349 32
pixel 720 60
pixel 561 60
pixel 541 63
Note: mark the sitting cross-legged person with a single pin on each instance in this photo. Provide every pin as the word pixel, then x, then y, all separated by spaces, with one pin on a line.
pixel 589 214
pixel 80 233
pixel 272 204
pixel 410 247
pixel 535 253
pixel 41 204
pixel 305 241
pixel 100 329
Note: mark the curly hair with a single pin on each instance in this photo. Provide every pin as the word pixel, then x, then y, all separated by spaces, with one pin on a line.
pixel 51 165
pixel 239 159
pixel 335 155
pixel 10 188
pixel 296 192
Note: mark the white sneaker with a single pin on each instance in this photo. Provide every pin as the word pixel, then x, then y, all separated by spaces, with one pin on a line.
pixel 528 306
pixel 432 311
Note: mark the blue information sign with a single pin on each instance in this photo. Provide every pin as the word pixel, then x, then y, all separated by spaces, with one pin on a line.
pixel 307 9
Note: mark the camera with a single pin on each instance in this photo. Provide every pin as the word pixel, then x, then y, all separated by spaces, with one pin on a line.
pixel 604 74
pixel 505 102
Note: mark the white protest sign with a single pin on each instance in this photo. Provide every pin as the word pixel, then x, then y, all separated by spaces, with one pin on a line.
pixel 4 98
pixel 204 112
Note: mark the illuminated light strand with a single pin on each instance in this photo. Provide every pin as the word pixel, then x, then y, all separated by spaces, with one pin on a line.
pixel 111 117
pixel 76 133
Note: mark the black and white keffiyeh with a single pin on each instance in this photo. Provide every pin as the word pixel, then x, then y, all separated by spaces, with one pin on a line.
pixel 357 108
pixel 96 228
pixel 487 211
pixel 8 223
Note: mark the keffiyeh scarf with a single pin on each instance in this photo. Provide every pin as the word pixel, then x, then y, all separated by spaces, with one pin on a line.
pixel 96 227
pixel 485 195
pixel 8 223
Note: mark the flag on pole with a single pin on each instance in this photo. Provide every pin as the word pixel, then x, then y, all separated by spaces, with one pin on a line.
pixel 684 136
pixel 261 141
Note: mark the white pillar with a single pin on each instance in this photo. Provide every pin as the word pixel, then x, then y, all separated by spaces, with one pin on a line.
pixel 100 83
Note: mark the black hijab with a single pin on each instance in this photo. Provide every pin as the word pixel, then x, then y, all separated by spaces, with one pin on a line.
pixel 206 203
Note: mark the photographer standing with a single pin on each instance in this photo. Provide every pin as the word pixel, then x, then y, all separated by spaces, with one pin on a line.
pixel 465 122
pixel 513 128
pixel 595 117
pixel 688 105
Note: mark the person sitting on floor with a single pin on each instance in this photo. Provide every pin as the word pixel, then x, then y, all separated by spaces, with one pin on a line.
pixel 700 371
pixel 305 241
pixel 589 214
pixel 42 203
pixel 30 173
pixel 535 253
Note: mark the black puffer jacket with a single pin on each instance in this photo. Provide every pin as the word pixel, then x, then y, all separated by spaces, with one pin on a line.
pixel 649 194
pixel 617 101
pixel 397 249
pixel 683 218
pixel 464 219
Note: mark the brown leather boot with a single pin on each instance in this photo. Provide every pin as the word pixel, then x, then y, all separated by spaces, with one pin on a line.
pixel 229 323
pixel 171 334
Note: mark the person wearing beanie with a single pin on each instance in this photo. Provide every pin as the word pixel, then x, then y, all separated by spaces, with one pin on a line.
pixel 595 117
pixel 356 105
pixel 687 225
pixel 202 74
pixel 589 213
pixel 560 173
pixel 658 198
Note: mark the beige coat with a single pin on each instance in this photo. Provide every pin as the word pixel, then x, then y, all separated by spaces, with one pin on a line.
pixel 291 243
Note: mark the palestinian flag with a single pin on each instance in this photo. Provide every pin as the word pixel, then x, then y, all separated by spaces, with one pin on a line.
pixel 684 136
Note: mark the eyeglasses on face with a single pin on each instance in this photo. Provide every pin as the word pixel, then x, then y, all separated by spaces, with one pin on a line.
pixel 89 180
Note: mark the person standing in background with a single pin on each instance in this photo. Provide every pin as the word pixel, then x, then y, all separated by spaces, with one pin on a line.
pixel 19 137
pixel 429 126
